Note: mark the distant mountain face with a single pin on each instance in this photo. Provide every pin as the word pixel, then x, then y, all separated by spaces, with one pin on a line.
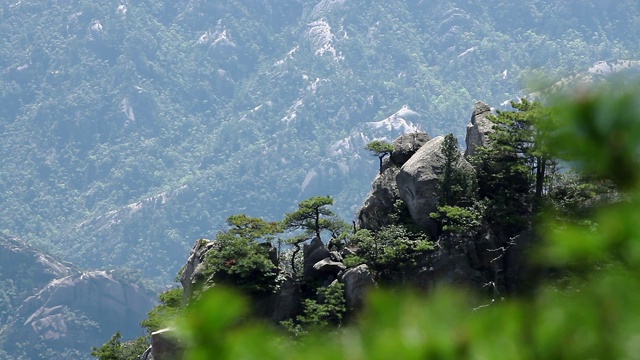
pixel 130 129
pixel 50 310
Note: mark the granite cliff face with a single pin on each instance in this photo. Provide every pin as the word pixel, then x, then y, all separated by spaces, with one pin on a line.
pixel 381 201
pixel 109 304
pixel 55 308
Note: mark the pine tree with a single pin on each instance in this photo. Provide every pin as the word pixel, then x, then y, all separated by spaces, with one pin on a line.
pixel 380 149
pixel 313 217
pixel 512 168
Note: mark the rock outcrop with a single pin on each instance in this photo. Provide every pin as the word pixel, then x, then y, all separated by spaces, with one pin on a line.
pixel 53 304
pixel 406 145
pixel 418 182
pixel 313 253
pixel 380 204
pixel 488 262
pixel 478 129
pixel 192 275
pixel 29 266
pixel 79 311
pixel 165 346
pixel 357 282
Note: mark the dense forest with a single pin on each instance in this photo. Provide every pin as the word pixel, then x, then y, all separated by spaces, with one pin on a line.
pixel 130 130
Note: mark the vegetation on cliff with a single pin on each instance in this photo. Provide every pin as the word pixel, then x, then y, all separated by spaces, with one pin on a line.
pixel 586 299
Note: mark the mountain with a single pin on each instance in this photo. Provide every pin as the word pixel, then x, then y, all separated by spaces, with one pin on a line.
pixel 50 309
pixel 131 129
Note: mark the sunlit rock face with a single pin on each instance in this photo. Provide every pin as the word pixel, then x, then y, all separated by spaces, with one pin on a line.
pixel 478 129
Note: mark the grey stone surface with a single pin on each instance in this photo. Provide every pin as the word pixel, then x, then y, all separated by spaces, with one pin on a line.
pixel 312 253
pixel 329 266
pixel 192 274
pixel 418 181
pixel 96 295
pixel 478 129
pixel 357 282
pixel 406 145
pixel 380 202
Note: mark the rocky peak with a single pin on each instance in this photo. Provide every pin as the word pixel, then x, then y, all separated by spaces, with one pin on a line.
pixel 479 128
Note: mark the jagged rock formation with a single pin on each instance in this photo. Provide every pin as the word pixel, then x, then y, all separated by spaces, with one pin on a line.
pixel 313 253
pixel 488 262
pixel 478 129
pixel 319 266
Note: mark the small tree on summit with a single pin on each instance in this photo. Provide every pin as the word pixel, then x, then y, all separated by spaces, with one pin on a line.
pixel 313 217
pixel 379 148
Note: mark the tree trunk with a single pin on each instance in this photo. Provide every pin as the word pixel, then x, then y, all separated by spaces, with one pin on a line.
pixel 540 172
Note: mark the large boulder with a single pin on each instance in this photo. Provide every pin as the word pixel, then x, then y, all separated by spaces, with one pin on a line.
pixel 479 129
pixel 164 346
pixel 380 203
pixel 418 182
pixel 357 282
pixel 406 145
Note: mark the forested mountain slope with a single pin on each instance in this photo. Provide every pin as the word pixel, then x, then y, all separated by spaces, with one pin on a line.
pixel 131 129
